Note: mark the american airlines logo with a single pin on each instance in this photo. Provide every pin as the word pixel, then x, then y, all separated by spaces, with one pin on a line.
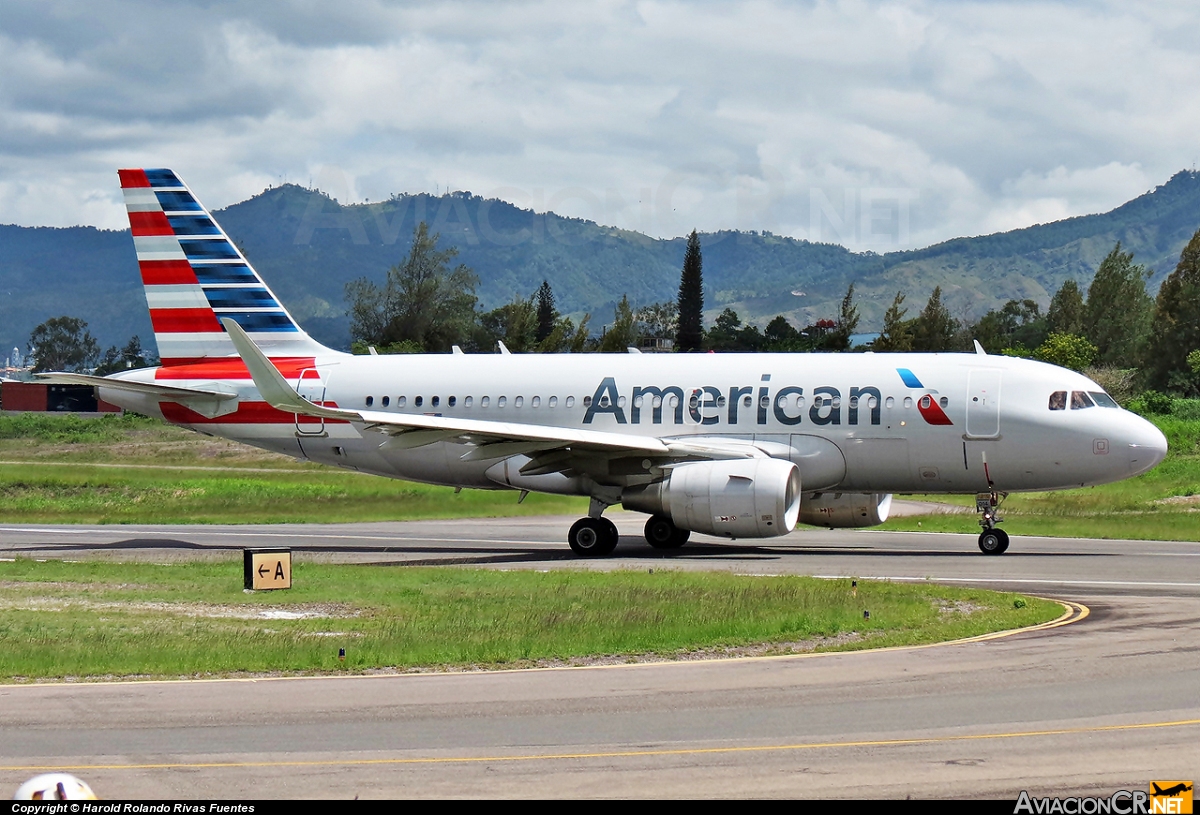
pixel 710 405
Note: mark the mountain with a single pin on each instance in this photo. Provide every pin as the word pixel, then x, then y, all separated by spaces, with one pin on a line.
pixel 307 246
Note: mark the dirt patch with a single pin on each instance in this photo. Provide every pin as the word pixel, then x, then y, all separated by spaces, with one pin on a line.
pixel 1185 500
pixel 958 607
pixel 296 612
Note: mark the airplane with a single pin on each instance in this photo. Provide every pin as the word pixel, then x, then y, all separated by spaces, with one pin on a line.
pixel 739 446
pixel 1169 792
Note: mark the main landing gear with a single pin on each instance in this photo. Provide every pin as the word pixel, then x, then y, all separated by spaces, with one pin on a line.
pixel 662 533
pixel 992 540
pixel 596 536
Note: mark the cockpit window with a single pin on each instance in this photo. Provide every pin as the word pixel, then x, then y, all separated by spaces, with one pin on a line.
pixel 1103 399
pixel 1058 400
pixel 1080 400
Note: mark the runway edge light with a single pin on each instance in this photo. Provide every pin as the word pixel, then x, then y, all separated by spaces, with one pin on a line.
pixel 265 569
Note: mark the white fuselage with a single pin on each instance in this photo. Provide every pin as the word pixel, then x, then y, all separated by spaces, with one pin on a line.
pixel 855 422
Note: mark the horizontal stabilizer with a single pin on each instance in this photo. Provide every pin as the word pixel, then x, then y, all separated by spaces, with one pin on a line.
pixel 213 401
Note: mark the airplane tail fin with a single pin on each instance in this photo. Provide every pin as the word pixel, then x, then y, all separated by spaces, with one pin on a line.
pixel 194 275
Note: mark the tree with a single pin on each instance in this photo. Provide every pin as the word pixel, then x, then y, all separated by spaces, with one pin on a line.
pixel 839 338
pixel 63 344
pixel 547 315
pixel 1176 325
pixel 690 333
pixel 422 301
pixel 659 321
pixel 1118 313
pixel 1018 324
pixel 623 332
pixel 1066 312
pixel 728 334
pixel 114 359
pixel 934 330
pixel 1067 351
pixel 780 335
pixel 897 332
pixel 515 323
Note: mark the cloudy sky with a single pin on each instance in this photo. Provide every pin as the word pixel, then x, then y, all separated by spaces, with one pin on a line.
pixel 874 125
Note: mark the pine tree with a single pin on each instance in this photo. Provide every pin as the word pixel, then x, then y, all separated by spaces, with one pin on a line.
pixel 1118 312
pixel 547 315
pixel 839 338
pixel 1176 326
pixel 690 331
pixel 1065 315
pixel 897 332
pixel 934 330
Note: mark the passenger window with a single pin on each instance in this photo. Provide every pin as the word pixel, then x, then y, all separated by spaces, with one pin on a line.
pixel 385 401
pixel 535 401
pixel 435 400
pixel 570 401
pixel 890 402
pixel 587 401
pixel 925 401
pixel 621 401
pixel 467 402
pixel 484 401
pixel 553 401
pixel 907 402
pixel 400 400
pixel 519 401
pixel 1103 399
pixel 452 400
pixel 747 401
pixel 370 400
pixel 944 401
pixel 418 400
pixel 1058 400
pixel 501 401
pixel 1080 400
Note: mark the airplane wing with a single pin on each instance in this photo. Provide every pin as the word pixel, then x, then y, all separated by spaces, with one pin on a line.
pixel 217 401
pixel 490 439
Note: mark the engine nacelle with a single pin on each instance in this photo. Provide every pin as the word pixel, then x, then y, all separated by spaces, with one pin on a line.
pixel 845 509
pixel 741 498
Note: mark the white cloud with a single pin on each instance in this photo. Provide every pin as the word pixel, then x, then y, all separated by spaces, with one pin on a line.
pixel 655 116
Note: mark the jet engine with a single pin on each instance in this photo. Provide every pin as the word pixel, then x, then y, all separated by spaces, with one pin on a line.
pixel 740 498
pixel 845 509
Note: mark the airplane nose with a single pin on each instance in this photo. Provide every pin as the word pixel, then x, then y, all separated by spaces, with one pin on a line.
pixel 1147 447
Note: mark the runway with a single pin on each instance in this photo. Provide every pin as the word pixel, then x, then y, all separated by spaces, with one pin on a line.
pixel 1105 703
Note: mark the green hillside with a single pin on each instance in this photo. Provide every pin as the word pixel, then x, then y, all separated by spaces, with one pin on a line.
pixel 307 246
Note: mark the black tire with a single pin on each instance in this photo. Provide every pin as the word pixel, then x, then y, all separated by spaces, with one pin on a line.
pixel 612 536
pixel 993 542
pixel 662 533
pixel 592 537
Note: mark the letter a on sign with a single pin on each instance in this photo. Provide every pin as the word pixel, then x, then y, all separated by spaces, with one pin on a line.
pixel 267 569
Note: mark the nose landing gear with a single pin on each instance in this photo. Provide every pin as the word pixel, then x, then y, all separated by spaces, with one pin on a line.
pixel 992 541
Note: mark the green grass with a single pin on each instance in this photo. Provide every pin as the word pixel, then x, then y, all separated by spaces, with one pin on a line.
pixel 129 469
pixel 93 619
pixel 134 470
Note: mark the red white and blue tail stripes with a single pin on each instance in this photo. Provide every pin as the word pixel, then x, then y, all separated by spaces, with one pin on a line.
pixel 193 274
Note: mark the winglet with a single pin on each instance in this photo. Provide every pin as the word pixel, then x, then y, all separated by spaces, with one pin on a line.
pixel 270 383
pixel 979 349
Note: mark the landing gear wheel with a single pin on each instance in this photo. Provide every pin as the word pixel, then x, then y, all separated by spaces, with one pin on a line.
pixel 662 533
pixel 593 537
pixel 993 542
